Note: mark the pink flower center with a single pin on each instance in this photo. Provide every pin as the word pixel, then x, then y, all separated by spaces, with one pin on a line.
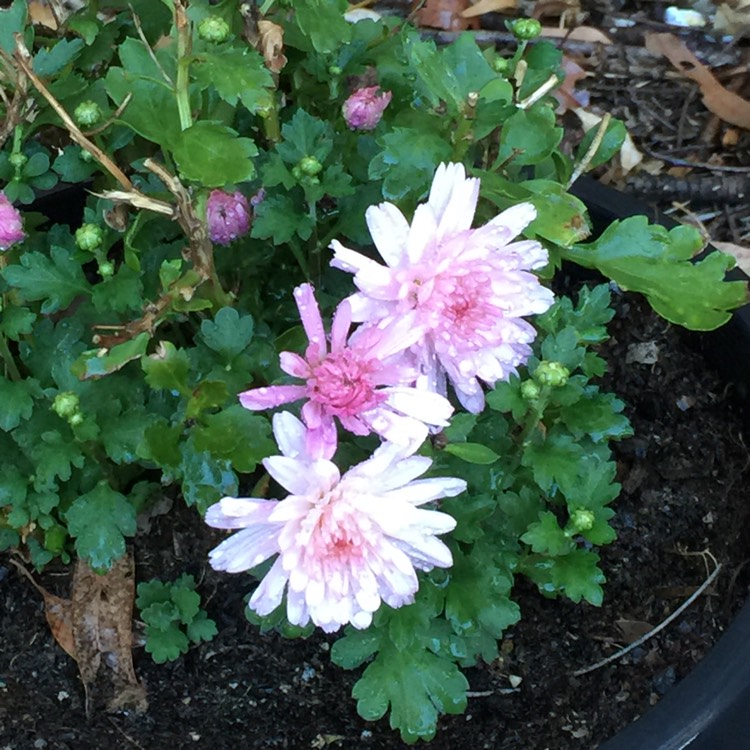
pixel 458 308
pixel 343 383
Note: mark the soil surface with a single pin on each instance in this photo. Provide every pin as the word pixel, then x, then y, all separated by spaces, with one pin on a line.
pixel 682 477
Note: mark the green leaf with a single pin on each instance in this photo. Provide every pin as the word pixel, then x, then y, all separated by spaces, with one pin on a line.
pixel 168 368
pixel 561 217
pixel 305 135
pixel 12 20
pixel 529 136
pixel 323 22
pixel 598 415
pixel 213 154
pixel 48 62
pixel 477 595
pixel 152 111
pixel 473 453
pixel 228 334
pixel 545 536
pixel 408 160
pixel 99 521
pixel 166 645
pixel 506 397
pixel 645 258
pixel 555 462
pixel 354 648
pixel 120 293
pixel 577 575
pixel 187 602
pixel 151 592
pixel 56 280
pixel 610 144
pixel 418 686
pixel 201 628
pixel 71 167
pixel 279 218
pixel 16 402
pixel 16 322
pixel 205 479
pixel 122 435
pixel 238 435
pixel 96 363
pixel 160 615
pixel 237 74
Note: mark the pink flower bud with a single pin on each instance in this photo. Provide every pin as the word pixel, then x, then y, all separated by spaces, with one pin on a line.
pixel 11 228
pixel 228 216
pixel 364 108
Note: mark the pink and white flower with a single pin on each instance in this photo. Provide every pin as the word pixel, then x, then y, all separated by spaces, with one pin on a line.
pixel 345 543
pixel 364 382
pixel 469 288
pixel 11 225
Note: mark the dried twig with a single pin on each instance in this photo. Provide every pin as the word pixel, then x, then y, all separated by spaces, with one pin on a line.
pixel 657 629
pixel 580 168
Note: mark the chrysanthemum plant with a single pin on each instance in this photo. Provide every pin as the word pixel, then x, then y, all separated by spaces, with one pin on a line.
pixel 309 295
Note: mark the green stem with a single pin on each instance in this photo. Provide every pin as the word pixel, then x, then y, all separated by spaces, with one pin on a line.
pixel 183 67
pixel 10 364
pixel 271 124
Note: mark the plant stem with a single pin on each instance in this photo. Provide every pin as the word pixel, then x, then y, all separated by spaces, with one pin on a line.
pixel 183 65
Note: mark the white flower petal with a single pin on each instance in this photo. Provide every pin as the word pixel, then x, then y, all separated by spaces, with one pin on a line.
pixel 245 549
pixel 239 512
pixel 389 231
pixel 430 408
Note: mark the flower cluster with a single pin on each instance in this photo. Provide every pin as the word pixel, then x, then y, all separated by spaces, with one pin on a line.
pixel 448 306
pixel 11 226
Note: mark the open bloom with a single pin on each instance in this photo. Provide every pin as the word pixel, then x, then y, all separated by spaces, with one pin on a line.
pixel 364 382
pixel 364 109
pixel 228 216
pixel 11 226
pixel 345 543
pixel 469 288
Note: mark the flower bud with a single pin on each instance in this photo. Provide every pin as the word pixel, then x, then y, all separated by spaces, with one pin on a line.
pixel 75 419
pixel 582 519
pixel 18 160
pixel 228 216
pixel 552 374
pixel 310 166
pixel 501 65
pixel 66 404
pixel 106 269
pixel 89 237
pixel 87 114
pixel 213 29
pixel 363 110
pixel 530 390
pixel 526 29
pixel 11 225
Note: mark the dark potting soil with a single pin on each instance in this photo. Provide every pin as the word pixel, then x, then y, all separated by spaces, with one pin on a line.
pixel 684 476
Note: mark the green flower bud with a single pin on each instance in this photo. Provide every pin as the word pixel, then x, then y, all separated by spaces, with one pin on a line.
pixel 526 29
pixel 297 173
pixel 213 29
pixel 582 519
pixel 18 160
pixel 530 390
pixel 54 538
pixel 310 166
pixel 86 156
pixel 66 404
pixel 552 374
pixel 89 237
pixel 501 65
pixel 75 419
pixel 87 114
pixel 335 70
pixel 106 269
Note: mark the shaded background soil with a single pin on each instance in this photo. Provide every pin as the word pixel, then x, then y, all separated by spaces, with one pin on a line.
pixel 684 477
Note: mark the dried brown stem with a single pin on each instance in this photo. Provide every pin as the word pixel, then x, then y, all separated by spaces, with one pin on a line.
pixel 23 61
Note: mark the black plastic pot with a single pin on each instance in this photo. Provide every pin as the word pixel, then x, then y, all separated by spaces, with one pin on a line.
pixel 710 708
